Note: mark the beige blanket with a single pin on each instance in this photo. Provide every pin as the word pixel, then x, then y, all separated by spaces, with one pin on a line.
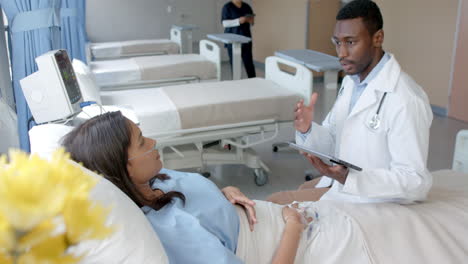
pixel 332 239
pixel 230 102
pixel 149 46
pixel 175 66
pixel 435 231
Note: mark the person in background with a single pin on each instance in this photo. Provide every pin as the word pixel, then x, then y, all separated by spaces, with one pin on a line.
pixel 237 18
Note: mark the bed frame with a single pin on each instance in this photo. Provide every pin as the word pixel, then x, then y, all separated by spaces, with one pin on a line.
pixel 231 143
pixel 175 33
pixel 208 49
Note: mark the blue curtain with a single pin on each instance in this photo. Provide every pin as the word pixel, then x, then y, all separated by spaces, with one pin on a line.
pixel 73 29
pixel 35 29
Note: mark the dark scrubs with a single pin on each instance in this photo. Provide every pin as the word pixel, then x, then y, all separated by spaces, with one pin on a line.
pixel 230 12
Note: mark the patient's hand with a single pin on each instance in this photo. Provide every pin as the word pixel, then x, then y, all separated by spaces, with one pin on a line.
pixel 235 196
pixel 304 115
pixel 292 215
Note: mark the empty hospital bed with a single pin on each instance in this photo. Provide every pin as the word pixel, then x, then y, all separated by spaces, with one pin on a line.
pixel 148 71
pixel 213 123
pixel 180 42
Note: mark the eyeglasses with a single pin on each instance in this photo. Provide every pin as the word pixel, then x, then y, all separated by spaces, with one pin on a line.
pixel 143 154
pixel 347 43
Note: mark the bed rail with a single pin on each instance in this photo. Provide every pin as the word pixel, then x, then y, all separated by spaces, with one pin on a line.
pixel 211 51
pixel 290 75
pixel 176 36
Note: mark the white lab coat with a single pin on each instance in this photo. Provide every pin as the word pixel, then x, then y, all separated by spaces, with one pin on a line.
pixel 394 156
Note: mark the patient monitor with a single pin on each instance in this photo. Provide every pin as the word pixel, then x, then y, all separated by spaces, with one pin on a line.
pixel 52 92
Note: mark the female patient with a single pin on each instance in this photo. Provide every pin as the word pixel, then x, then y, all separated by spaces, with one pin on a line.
pixel 195 221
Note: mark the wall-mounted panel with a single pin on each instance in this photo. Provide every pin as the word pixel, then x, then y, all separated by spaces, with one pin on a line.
pixel 458 107
pixel 421 33
pixel 278 25
pixel 322 14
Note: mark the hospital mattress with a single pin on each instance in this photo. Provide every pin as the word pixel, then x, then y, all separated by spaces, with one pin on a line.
pixel 433 231
pixel 133 47
pixel 206 104
pixel 150 68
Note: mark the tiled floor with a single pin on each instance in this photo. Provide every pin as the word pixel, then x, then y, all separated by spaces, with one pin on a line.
pixel 287 166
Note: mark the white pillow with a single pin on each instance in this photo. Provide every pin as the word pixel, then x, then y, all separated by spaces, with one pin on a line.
pixel 89 89
pixel 134 240
pixel 45 139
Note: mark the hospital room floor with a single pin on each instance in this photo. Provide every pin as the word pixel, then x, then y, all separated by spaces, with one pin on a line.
pixel 288 167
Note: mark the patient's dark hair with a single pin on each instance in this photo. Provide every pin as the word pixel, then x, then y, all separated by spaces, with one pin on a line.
pixel 365 9
pixel 101 145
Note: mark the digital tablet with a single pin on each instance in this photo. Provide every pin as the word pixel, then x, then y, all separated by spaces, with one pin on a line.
pixel 250 15
pixel 325 157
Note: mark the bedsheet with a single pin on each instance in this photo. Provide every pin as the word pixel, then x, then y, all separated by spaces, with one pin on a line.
pixel 149 68
pixel 434 231
pixel 127 48
pixel 206 104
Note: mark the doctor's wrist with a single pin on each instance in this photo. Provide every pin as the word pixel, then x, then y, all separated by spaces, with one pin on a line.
pixel 342 178
pixel 340 174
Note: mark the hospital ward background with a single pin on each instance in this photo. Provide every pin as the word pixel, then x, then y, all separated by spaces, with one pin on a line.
pixel 135 56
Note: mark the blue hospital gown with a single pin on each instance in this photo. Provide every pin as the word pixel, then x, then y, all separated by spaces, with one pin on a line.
pixel 205 230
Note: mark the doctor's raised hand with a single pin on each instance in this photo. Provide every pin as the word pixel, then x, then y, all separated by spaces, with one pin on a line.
pixel 304 115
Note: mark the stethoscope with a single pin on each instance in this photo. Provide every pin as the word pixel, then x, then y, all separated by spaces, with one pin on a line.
pixel 374 122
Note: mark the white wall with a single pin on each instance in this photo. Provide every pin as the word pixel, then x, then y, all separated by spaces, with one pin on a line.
pixel 110 20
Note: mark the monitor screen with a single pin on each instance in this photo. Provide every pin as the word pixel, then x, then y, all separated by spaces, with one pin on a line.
pixel 68 76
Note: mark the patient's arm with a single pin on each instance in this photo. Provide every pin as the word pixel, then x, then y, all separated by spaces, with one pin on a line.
pixel 287 249
pixel 235 196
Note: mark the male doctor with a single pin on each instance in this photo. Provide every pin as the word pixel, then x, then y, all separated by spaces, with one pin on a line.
pixel 380 122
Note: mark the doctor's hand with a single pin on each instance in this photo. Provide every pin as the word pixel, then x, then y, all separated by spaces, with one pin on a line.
pixel 243 19
pixel 304 115
pixel 337 172
pixel 235 196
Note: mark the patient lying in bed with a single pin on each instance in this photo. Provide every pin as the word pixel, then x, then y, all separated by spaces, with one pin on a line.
pixel 197 224
pixel 195 221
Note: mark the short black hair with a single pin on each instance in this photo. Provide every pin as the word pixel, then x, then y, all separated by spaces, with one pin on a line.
pixel 365 9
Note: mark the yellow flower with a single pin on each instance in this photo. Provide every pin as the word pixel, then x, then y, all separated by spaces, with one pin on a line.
pixel 85 220
pixel 41 233
pixel 51 250
pixel 30 191
pixel 3 161
pixel 4 259
pixel 7 237
pixel 45 208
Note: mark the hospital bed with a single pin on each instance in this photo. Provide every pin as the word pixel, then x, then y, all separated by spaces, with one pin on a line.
pixel 433 231
pixel 212 123
pixel 180 42
pixel 149 71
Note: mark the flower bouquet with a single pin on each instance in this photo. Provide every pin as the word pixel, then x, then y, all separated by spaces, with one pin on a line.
pixel 45 209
